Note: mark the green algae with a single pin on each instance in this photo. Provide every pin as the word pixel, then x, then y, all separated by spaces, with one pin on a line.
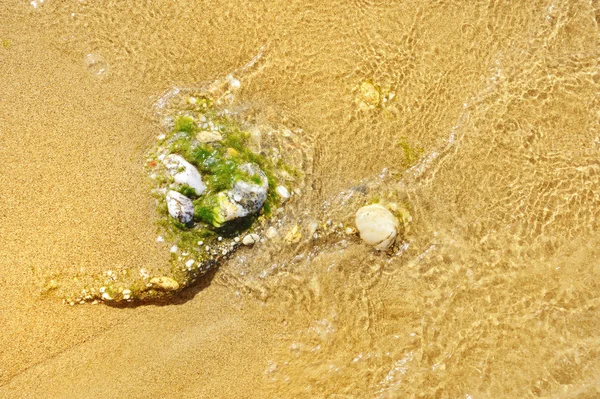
pixel 411 153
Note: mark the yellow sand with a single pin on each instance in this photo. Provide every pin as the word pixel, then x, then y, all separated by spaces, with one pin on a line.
pixel 497 293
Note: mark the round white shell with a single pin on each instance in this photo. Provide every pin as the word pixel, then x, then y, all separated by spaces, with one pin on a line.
pixel 377 226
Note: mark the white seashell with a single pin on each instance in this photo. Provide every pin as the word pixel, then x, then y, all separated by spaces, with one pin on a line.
pixel 377 226
pixel 184 173
pixel 180 207
pixel 251 239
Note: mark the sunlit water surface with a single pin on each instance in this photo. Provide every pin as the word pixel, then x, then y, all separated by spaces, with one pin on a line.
pixel 492 140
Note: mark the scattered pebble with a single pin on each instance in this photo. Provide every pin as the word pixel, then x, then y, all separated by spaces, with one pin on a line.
pixel 251 239
pixel 164 283
pixel 377 226
pixel 160 239
pixel 208 136
pixel 190 263
pixel 174 249
pixel 180 207
pixel 293 236
pixel 271 232
pixel 283 193
pixel 184 173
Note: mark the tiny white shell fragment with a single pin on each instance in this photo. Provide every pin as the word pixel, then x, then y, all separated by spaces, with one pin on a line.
pixel 283 192
pixel 180 207
pixel 184 173
pixel 377 226
pixel 234 84
pixel 271 232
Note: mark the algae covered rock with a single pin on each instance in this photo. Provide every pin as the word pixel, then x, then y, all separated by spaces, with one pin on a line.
pixel 214 169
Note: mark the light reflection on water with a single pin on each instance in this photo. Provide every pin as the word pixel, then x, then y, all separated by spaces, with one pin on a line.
pixel 494 292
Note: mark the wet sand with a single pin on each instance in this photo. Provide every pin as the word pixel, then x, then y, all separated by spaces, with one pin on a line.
pixel 74 200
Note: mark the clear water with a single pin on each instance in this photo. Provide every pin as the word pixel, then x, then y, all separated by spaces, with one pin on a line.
pixel 495 293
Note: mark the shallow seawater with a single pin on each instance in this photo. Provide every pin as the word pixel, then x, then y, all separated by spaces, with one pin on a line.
pixel 489 136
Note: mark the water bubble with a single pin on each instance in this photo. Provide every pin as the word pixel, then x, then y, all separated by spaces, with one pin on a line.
pixel 96 65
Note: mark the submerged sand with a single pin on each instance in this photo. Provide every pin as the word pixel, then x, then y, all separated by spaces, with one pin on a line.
pixel 497 295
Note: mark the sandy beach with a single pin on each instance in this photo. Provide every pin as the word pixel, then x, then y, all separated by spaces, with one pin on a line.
pixel 491 139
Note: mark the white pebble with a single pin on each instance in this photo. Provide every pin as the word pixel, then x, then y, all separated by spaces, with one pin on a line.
pixel 283 192
pixel 234 84
pixel 180 207
pixel 160 239
pixel 174 249
pixel 271 232
pixel 189 263
pixel 184 173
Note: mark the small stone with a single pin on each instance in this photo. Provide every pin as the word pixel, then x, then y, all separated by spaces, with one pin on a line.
pixel 164 283
pixel 251 239
pixel 189 263
pixel 349 231
pixel 106 297
pixel 126 294
pixel 245 198
pixel 160 239
pixel 234 84
pixel 293 236
pixel 377 226
pixel 209 137
pixel 283 193
pixel 369 95
pixel 180 207
pixel 184 173
pixel 271 232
